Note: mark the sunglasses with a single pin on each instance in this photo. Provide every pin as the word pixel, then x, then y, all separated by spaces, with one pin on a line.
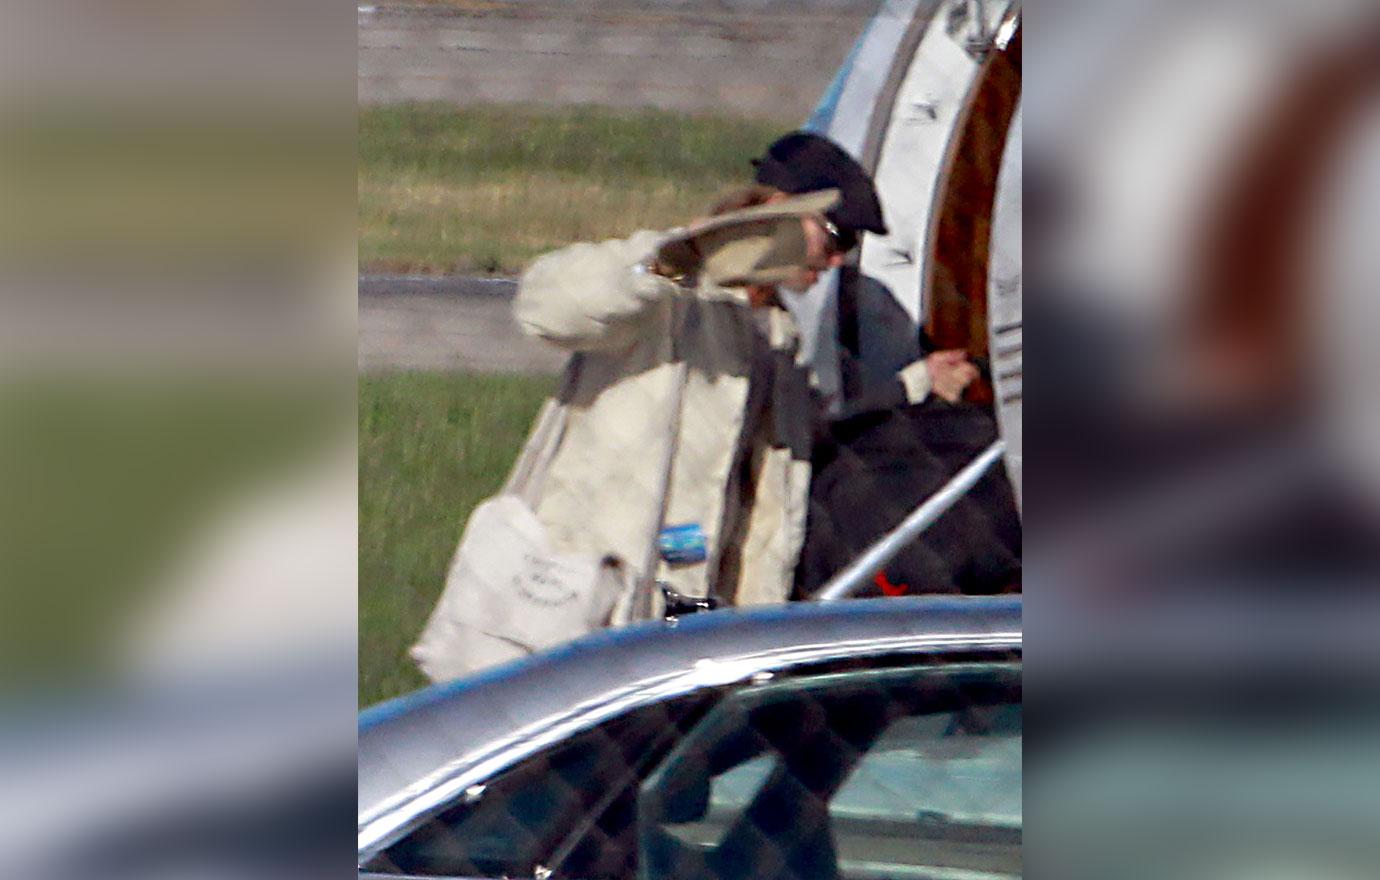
pixel 840 241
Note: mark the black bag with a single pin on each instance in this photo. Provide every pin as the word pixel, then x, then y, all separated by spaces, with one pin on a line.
pixel 873 470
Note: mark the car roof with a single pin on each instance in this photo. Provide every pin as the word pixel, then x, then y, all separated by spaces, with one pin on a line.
pixel 424 745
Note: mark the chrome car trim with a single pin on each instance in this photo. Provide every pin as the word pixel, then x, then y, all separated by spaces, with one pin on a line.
pixel 396 816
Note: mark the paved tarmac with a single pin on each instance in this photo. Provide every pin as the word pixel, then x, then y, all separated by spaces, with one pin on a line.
pixel 746 56
pixel 446 324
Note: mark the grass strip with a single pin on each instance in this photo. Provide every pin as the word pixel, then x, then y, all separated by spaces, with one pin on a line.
pixel 484 189
pixel 431 447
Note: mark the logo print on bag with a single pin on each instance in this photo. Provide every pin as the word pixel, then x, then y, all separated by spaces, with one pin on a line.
pixel 543 582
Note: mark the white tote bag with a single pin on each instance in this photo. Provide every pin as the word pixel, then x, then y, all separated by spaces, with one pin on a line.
pixel 508 594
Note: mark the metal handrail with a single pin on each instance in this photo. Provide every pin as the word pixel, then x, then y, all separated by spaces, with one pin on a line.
pixel 860 571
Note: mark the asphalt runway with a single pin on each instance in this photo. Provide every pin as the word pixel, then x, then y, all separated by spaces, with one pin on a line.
pixel 453 324
pixel 745 56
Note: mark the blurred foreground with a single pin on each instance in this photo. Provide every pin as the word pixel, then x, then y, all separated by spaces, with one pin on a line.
pixel 1202 214
pixel 1203 481
pixel 177 446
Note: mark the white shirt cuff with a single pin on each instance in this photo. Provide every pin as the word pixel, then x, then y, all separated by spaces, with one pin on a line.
pixel 916 380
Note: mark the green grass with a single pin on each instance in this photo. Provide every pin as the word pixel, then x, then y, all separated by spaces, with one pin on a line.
pixel 430 448
pixel 487 188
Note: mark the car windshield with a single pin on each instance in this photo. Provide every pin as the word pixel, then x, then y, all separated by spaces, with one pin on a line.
pixel 886 773
pixel 515 823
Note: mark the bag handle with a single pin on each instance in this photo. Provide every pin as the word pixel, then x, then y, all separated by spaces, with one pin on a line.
pixel 525 479
pixel 644 601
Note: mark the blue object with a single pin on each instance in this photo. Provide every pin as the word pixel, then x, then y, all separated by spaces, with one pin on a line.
pixel 683 544
pixel 823 115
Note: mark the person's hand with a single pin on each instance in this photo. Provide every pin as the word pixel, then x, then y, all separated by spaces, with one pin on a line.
pixel 676 259
pixel 950 373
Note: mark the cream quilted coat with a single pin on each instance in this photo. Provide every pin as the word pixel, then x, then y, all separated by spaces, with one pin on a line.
pixel 603 492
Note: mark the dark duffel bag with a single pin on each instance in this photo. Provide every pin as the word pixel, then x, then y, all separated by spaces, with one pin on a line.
pixel 873 470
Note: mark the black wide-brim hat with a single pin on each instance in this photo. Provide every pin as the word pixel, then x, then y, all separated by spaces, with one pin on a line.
pixel 802 162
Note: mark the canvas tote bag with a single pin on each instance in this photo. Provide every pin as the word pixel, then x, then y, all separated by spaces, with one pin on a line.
pixel 507 593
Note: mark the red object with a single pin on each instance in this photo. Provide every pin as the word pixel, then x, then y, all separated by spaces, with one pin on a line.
pixel 888 588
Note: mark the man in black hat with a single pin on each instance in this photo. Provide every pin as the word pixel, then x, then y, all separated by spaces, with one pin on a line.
pixel 799 164
pixel 802 162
